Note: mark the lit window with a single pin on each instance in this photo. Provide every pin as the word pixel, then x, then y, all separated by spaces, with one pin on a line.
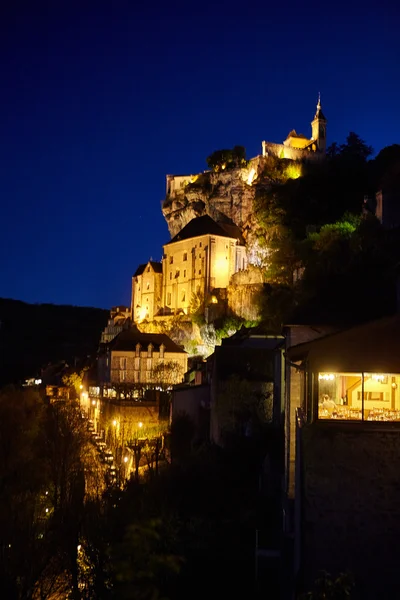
pixel 359 396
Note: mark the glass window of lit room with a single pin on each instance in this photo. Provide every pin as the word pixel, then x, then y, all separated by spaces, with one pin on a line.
pixel 359 396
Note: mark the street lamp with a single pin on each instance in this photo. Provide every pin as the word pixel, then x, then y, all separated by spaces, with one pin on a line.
pixel 140 424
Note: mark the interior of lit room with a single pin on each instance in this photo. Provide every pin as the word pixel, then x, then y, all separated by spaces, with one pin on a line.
pixel 359 396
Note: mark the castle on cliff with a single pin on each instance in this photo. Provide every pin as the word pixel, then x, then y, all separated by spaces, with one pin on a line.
pixel 207 215
pixel 297 146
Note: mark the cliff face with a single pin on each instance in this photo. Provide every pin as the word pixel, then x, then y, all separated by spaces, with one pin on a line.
pixel 225 196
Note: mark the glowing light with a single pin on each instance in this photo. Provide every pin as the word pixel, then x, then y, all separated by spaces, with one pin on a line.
pixel 326 376
pixel 140 424
pixel 115 423
pixel 221 265
pixel 79 547
pixel 141 313
pixel 125 459
pixel 214 300
pixel 251 176
pixel 377 377
pixel 38 381
pixel 94 402
pixel 47 510
pixel 293 171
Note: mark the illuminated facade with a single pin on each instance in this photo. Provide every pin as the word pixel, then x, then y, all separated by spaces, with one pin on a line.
pixel 142 358
pixel 200 258
pixel 297 146
pixel 146 291
pixel 120 319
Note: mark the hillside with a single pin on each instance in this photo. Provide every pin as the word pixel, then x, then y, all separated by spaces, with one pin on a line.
pixel 33 335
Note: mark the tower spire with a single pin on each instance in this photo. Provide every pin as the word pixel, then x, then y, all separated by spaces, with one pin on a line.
pixel 319 101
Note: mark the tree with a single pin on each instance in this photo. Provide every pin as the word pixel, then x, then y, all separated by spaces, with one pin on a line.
pixel 74 381
pixel 327 587
pixel 355 148
pixel 166 373
pixel 23 481
pixel 227 159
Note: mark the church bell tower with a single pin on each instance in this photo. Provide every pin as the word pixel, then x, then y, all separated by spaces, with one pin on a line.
pixel 318 125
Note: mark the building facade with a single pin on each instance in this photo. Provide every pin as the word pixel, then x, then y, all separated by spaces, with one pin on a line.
pixel 347 448
pixel 142 358
pixel 146 291
pixel 120 319
pixel 202 257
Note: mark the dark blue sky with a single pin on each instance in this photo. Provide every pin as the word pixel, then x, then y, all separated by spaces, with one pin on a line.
pixel 99 101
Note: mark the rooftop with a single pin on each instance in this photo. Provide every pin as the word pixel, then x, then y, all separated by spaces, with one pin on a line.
pixel 156 266
pixel 372 347
pixel 205 225
pixel 127 341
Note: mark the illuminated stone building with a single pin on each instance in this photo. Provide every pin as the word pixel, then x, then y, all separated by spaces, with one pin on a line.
pixel 201 258
pixel 228 194
pixel 298 146
pixel 120 319
pixel 146 291
pixel 136 357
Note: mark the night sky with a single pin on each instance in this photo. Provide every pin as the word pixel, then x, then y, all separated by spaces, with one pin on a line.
pixel 100 101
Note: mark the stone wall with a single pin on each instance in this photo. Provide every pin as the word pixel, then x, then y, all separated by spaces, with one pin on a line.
pixel 283 151
pixel 351 505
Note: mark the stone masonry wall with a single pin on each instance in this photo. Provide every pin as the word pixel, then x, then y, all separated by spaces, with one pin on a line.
pixel 351 505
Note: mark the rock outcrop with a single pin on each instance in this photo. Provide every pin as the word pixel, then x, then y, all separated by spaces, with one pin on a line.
pixel 227 196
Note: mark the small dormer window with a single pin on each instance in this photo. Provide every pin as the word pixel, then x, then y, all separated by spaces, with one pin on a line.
pixel 162 350
pixel 149 350
pixel 137 349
